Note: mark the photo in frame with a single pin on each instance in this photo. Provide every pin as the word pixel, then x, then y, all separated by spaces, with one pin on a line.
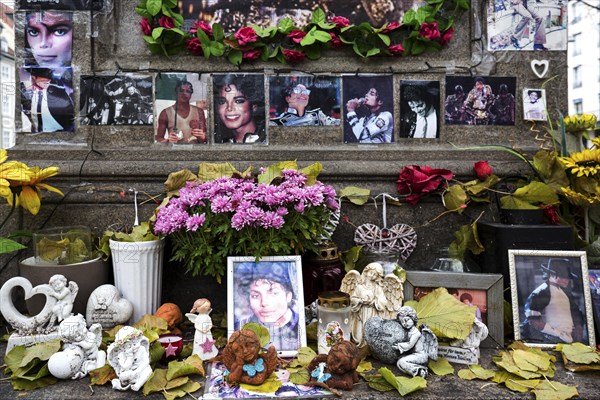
pixel 419 109
pixel 594 275
pixel 485 291
pixel 270 293
pixel 534 104
pixel 551 299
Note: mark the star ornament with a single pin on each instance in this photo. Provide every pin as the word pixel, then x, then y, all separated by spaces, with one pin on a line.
pixel 170 350
pixel 207 345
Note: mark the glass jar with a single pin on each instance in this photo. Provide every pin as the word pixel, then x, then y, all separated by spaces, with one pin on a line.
pixel 446 263
pixel 334 319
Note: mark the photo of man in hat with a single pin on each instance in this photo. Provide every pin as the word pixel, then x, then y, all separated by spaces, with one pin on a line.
pixel 552 315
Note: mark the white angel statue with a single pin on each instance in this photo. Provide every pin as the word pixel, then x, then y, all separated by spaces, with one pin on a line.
pixel 419 346
pixel 371 295
pixel 204 345
pixel 129 355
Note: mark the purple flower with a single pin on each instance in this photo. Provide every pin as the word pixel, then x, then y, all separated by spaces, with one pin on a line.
pixel 195 221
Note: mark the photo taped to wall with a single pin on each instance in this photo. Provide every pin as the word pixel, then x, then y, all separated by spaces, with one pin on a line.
pixel 48 39
pixel 94 5
pixel 419 109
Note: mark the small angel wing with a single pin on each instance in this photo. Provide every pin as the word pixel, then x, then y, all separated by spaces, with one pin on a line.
pixel 192 317
pixel 74 289
pixel 430 342
pixel 394 293
pixel 350 282
pixel 96 330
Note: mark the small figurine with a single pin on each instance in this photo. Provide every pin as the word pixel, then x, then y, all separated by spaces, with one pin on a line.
pixel 129 356
pixel 65 296
pixel 106 307
pixel 244 360
pixel 171 313
pixel 337 369
pixel 478 333
pixel 371 295
pixel 399 341
pixel 204 345
pixel 80 352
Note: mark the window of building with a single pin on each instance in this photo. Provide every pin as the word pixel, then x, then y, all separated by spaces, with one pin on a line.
pixel 577 44
pixel 578 103
pixel 5 72
pixel 576 10
pixel 577 77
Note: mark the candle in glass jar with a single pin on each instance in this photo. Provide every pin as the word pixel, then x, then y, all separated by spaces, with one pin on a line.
pixel 334 320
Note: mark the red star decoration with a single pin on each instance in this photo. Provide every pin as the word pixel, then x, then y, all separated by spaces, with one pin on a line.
pixel 170 350
pixel 207 345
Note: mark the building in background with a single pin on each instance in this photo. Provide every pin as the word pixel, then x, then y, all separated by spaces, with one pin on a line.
pixel 584 56
pixel 7 77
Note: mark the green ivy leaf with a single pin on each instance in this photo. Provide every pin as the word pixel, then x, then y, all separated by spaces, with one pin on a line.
pixel 235 57
pixel 372 52
pixel 156 32
pixel 309 38
pixel 418 47
pixel 385 39
pixel 285 25
pixel 154 6
pixel 142 10
pixel 312 52
pixel 409 17
pixel 318 16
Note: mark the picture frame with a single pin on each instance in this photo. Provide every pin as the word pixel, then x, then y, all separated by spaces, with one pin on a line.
pixel 258 291
pixel 543 279
pixel 594 276
pixel 491 284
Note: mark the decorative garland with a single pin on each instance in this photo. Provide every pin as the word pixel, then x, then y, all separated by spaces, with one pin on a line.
pixel 427 29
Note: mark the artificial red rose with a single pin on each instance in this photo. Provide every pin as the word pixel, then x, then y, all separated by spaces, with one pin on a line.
pixel 482 169
pixel 551 213
pixel 296 36
pixel 391 27
pixel 246 35
pixel 203 26
pixel 341 22
pixel 293 55
pixel 146 27
pixel 251 54
pixel 166 22
pixel 396 49
pixel 336 43
pixel 415 181
pixel 195 47
pixel 429 30
pixel 446 37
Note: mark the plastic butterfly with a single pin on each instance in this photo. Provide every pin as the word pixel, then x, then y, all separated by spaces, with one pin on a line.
pixel 251 370
pixel 320 374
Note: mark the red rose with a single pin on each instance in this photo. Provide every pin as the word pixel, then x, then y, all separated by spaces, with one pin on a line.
pixel 415 181
pixel 336 43
pixel 245 35
pixel 146 27
pixel 203 26
pixel 166 22
pixel 551 213
pixel 296 36
pixel 447 37
pixel 341 22
pixel 391 27
pixel 396 49
pixel 482 169
pixel 429 30
pixel 195 47
pixel 251 55
pixel 293 56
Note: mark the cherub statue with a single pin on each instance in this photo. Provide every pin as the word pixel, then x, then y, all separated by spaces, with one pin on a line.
pixel 129 355
pixel 204 345
pixel 80 352
pixel 65 296
pixel 337 369
pixel 479 332
pixel 371 295
pixel 245 361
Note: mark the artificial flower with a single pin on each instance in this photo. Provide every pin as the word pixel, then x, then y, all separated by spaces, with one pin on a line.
pixel 396 49
pixel 339 21
pixel 146 27
pixel 578 123
pixel 392 26
pixel 30 197
pixel 166 22
pixel 203 26
pixel 251 54
pixel 293 55
pixel 335 41
pixel 482 169
pixel 429 30
pixel 245 35
pixel 415 181
pixel 580 199
pixel 296 36
pixel 551 214
pixel 195 47
pixel 585 162
pixel 447 36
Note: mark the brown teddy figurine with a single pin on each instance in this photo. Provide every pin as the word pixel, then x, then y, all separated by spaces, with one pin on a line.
pixel 244 361
pixel 337 369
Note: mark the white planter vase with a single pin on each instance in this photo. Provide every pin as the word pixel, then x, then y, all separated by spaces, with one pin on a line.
pixel 137 268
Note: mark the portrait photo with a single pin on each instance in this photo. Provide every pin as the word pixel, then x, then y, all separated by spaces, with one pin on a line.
pixel 550 295
pixel 522 25
pixel 95 5
pixel 534 104
pixel 116 100
pixel 181 108
pixel 594 275
pixel 47 103
pixel 471 297
pixel 480 100
pixel 420 109
pixel 270 293
pixel 239 108
pixel 48 39
pixel 304 100
pixel 368 108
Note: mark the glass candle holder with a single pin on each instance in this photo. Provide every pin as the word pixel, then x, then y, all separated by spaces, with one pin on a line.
pixel 334 320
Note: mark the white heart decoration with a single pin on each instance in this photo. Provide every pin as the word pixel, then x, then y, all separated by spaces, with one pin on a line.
pixel 21 323
pixel 543 64
pixel 400 238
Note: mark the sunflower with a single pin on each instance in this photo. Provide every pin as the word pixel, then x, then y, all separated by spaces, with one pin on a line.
pixel 30 195
pixel 585 162
pixel 580 199
pixel 578 123
pixel 12 173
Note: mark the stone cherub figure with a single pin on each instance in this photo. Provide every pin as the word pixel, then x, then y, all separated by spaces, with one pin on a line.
pixel 129 355
pixel 64 295
pixel 399 341
pixel 204 345
pixel 371 295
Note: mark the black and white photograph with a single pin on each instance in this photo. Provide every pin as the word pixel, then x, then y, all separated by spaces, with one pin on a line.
pixel 46 99
pixel 368 108
pixel 116 100
pixel 522 25
pixel 95 5
pixel 270 293
pixel 534 104
pixel 420 109
pixel 551 299
pixel 304 100
pixel 48 39
pixel 239 108
pixel 181 104
pixel 480 100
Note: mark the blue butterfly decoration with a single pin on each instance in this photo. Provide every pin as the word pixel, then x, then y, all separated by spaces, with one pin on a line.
pixel 251 370
pixel 319 373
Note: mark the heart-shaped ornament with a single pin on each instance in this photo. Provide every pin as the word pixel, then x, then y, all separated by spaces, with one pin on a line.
pixel 400 238
pixel 540 67
pixel 22 324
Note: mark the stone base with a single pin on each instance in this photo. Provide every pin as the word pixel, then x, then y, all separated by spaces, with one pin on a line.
pixel 458 355
pixel 29 340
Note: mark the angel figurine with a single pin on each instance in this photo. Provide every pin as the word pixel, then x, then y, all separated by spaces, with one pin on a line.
pixel 129 355
pixel 204 345
pixel 65 296
pixel 371 295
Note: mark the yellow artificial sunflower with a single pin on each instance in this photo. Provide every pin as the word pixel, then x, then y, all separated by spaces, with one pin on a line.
pixel 12 173
pixel 31 195
pixel 596 142
pixel 580 199
pixel 578 123
pixel 585 162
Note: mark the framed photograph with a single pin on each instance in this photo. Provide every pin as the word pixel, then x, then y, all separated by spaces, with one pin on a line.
pixel 534 104
pixel 483 291
pixel 419 109
pixel 551 298
pixel 594 275
pixel 270 293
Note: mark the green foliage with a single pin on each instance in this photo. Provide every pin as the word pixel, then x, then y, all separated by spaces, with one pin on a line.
pixel 403 384
pixel 261 332
pixel 27 367
pixel 139 233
